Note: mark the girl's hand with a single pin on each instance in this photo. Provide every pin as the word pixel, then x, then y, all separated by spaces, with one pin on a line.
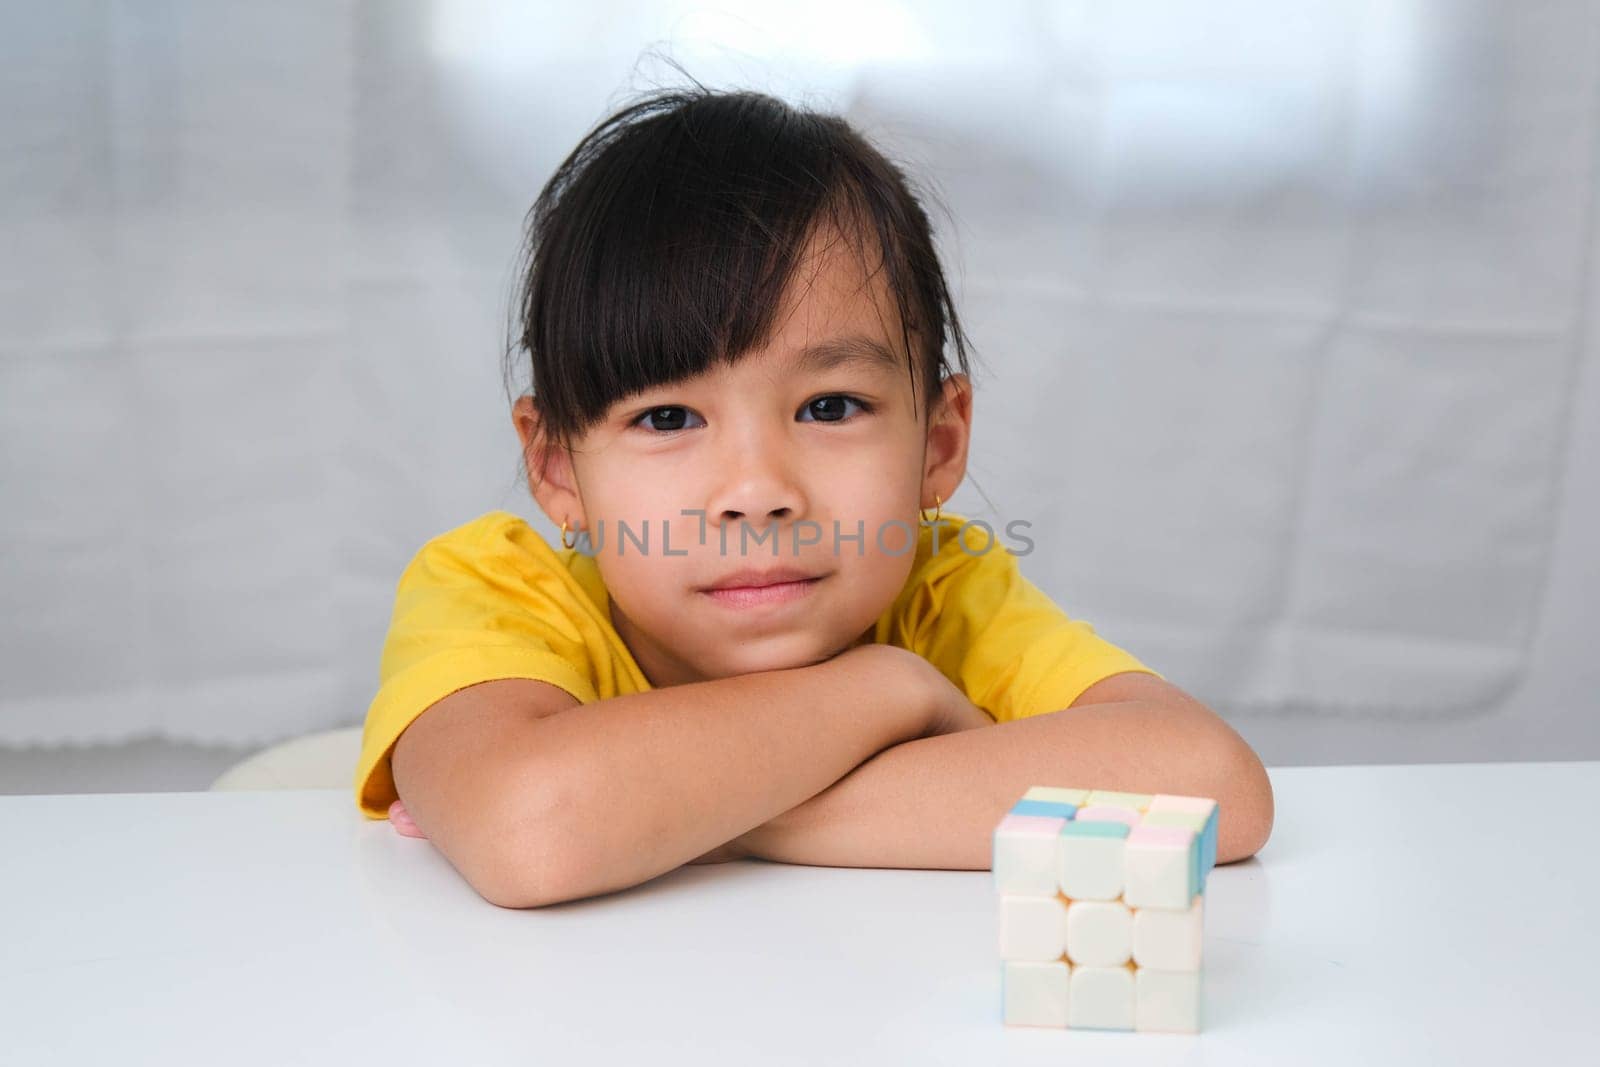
pixel 939 706
pixel 947 707
pixel 402 822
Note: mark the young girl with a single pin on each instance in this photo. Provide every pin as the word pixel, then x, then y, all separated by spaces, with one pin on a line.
pixel 762 635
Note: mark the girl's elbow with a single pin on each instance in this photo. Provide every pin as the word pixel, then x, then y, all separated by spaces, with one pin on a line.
pixel 1246 806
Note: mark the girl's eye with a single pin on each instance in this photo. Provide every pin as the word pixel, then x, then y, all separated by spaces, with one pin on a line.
pixel 828 408
pixel 666 419
pixel 824 409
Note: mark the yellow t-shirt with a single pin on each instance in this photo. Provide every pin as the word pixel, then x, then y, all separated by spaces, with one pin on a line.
pixel 492 599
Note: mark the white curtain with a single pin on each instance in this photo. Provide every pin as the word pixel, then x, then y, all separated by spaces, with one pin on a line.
pixel 1280 318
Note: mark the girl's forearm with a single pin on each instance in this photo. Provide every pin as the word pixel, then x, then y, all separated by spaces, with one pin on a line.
pixel 647 782
pixel 933 803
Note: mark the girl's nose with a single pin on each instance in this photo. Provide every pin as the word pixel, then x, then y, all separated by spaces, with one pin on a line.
pixel 759 487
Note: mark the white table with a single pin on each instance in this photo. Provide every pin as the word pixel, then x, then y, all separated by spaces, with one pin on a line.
pixel 1433 914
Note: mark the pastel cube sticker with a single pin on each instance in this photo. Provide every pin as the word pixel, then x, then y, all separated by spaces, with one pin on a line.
pixel 1101 998
pixel 1025 854
pixel 1102 908
pixel 1099 933
pixel 1113 813
pixel 1076 797
pixel 1168 940
pixel 1089 859
pixel 1033 928
pixel 1136 801
pixel 1203 806
pixel 1166 1001
pixel 1035 994
pixel 1160 867
pixel 1188 819
pixel 1057 810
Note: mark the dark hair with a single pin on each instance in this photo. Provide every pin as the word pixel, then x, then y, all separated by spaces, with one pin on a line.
pixel 666 240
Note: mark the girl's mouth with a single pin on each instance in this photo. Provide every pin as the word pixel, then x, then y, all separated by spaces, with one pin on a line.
pixel 752 596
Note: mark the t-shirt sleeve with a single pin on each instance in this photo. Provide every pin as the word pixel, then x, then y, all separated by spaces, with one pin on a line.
pixel 1004 642
pixel 467 610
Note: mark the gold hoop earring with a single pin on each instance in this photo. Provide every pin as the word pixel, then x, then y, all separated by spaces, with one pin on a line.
pixel 564 536
pixel 938 510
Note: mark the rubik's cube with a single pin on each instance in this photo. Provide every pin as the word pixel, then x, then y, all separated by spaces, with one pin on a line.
pixel 1101 908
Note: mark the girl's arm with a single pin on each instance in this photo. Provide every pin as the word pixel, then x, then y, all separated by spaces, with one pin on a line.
pixel 934 802
pixel 634 786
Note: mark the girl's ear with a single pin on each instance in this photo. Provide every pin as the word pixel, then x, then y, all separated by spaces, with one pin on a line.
pixel 551 479
pixel 949 433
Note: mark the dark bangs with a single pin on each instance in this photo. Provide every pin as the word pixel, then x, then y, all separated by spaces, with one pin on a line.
pixel 666 240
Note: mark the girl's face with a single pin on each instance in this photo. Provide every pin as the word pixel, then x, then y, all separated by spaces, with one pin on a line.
pixel 809 436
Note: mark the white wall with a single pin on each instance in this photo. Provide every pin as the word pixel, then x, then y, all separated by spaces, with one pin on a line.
pixel 1286 325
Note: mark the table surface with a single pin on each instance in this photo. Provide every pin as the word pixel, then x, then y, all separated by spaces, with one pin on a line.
pixel 1439 913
